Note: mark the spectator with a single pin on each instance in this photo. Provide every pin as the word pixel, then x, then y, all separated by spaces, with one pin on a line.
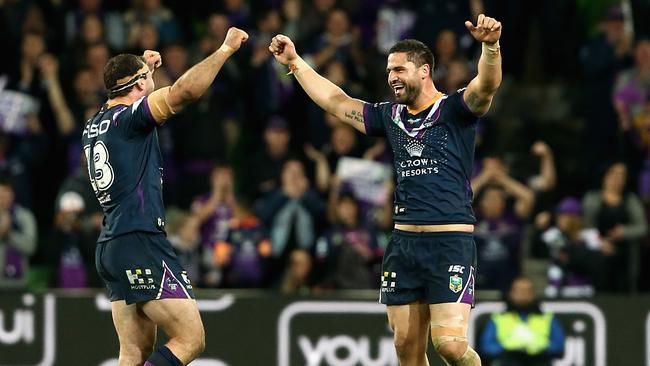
pixel 33 47
pixel 498 228
pixel 602 57
pixel 620 219
pixel 291 212
pixel 183 232
pixel 637 137
pixel 97 56
pixel 295 280
pixel 268 162
pixel 522 335
pixel 343 142
pixel 17 238
pixel 631 89
pixel 217 27
pixel 395 22
pixel 272 91
pixel 237 12
pixel 91 32
pixel 314 17
pixel 339 43
pixel 77 223
pixel 348 253
pixel 75 20
pixel 457 76
pixel 445 52
pixel 147 38
pixel 577 254
pixel 293 22
pixel 213 211
pixel 153 12
pixel 243 255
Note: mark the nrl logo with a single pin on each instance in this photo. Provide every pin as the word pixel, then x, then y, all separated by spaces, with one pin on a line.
pixel 455 283
pixel 414 148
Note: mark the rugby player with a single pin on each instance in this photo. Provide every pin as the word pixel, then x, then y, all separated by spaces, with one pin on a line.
pixel 147 286
pixel 429 266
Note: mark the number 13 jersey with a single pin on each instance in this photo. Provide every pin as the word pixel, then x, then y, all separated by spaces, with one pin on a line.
pixel 125 168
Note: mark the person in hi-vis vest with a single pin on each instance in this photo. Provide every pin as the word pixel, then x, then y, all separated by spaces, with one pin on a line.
pixel 522 334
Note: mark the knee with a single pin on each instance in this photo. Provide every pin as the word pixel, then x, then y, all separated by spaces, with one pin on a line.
pixel 407 346
pixel 451 349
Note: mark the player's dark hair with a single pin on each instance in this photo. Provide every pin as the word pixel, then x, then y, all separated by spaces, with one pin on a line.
pixel 119 67
pixel 416 52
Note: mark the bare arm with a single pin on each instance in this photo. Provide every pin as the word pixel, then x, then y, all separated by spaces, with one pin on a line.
pixel 547 176
pixel 50 70
pixel 322 167
pixel 482 88
pixel 194 82
pixel 524 196
pixel 322 91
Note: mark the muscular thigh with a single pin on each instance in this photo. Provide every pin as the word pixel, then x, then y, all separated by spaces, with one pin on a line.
pixel 410 321
pixel 134 329
pixel 177 317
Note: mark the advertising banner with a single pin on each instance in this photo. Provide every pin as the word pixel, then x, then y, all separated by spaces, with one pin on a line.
pixel 262 328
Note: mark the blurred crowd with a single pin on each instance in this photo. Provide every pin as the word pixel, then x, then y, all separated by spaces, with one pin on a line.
pixel 265 190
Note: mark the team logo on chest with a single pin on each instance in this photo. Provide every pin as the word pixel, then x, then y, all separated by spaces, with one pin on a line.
pixel 414 148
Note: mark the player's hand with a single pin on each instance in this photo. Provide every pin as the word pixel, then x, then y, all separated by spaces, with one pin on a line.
pixel 153 59
pixel 487 29
pixel 235 38
pixel 283 49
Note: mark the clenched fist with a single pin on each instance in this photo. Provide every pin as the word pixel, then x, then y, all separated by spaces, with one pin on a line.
pixel 234 39
pixel 153 59
pixel 283 49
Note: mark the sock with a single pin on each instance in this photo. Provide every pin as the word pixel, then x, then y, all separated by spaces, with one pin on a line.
pixel 163 357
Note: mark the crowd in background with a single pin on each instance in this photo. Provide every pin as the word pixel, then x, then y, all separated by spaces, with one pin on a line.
pixel 265 190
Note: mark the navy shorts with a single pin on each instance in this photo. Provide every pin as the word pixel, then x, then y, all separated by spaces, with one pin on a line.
pixel 139 266
pixel 432 267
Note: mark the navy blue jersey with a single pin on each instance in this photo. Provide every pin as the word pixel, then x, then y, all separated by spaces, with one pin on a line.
pixel 433 157
pixel 126 169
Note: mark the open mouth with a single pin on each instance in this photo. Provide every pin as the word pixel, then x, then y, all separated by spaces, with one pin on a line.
pixel 398 88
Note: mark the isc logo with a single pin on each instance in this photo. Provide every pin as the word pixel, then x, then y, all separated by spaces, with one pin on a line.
pixel 455 268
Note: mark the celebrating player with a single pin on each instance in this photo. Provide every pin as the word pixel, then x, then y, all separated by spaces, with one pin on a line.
pixel 429 266
pixel 147 286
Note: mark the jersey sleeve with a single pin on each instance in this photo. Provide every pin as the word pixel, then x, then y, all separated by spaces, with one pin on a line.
pixel 465 115
pixel 136 118
pixel 374 117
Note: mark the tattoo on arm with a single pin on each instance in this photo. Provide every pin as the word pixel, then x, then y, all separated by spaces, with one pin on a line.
pixel 475 103
pixel 354 116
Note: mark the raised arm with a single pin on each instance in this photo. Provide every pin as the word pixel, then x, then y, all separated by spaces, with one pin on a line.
pixel 480 91
pixel 195 81
pixel 322 91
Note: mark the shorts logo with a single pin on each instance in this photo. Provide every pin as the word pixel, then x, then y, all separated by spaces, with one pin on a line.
pixel 388 280
pixel 140 280
pixel 186 279
pixel 172 284
pixel 455 283
pixel 456 268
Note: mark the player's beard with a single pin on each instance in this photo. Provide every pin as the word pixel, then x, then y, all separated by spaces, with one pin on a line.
pixel 409 94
